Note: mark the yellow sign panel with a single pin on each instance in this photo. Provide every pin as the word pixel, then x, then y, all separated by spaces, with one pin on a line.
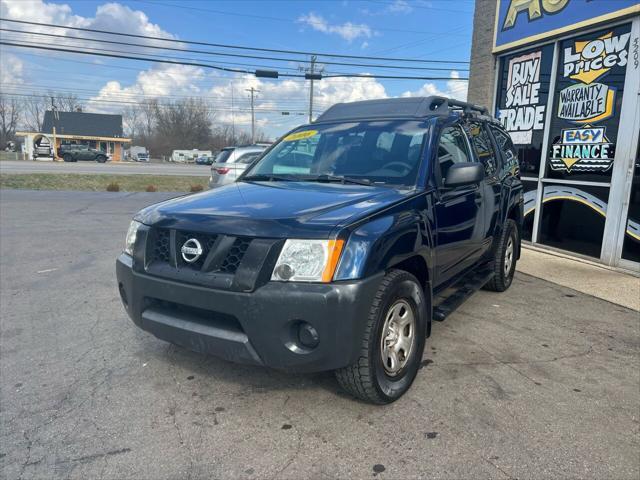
pixel 300 135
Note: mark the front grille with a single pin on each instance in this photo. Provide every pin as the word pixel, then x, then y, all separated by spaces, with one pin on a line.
pixel 221 254
pixel 161 247
pixel 235 255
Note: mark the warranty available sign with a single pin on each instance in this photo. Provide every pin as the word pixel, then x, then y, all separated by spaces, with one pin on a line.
pixel 582 150
pixel 587 61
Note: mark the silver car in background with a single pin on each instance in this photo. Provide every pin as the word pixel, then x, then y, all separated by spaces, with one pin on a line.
pixel 231 162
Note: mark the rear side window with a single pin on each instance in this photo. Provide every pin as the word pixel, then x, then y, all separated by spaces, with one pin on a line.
pixel 451 149
pixel 506 147
pixel 481 143
pixel 247 158
pixel 223 156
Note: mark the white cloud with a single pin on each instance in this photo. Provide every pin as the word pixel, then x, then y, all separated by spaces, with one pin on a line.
pixel 349 31
pixel 11 69
pixel 109 16
pixel 400 6
pixel 454 88
pixel 158 82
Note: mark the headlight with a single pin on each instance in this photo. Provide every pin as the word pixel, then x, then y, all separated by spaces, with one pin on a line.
pixel 308 261
pixel 131 237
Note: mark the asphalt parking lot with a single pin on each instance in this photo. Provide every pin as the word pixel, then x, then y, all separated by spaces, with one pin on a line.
pixel 538 382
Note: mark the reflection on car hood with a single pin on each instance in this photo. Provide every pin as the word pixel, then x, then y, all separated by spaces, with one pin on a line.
pixel 271 209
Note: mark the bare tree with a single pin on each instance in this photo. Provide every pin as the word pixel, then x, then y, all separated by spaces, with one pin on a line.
pixel 33 112
pixel 183 124
pixel 34 107
pixel 9 115
pixel 132 117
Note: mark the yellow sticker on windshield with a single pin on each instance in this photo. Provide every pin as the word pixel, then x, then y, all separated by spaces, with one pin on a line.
pixel 300 135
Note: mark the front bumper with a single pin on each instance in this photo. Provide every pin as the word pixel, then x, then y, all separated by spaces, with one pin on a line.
pixel 261 327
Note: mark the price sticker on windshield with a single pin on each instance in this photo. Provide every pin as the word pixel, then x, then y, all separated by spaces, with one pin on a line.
pixel 300 135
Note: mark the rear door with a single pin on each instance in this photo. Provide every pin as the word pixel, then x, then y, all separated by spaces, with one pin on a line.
pixel 458 221
pixel 491 187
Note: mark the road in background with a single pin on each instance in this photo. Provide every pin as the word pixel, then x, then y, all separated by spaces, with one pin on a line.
pixel 540 381
pixel 112 168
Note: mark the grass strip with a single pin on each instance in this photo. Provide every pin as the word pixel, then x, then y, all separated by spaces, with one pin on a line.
pixel 99 183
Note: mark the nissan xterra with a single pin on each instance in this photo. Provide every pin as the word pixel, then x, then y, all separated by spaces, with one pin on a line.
pixel 337 247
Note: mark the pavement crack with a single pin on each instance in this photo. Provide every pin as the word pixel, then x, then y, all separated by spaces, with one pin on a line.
pixel 498 468
pixel 94 456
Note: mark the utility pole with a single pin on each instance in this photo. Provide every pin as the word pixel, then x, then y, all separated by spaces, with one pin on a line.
pixel 311 71
pixel 54 112
pixel 253 115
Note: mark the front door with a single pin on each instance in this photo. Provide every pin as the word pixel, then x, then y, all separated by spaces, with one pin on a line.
pixel 459 225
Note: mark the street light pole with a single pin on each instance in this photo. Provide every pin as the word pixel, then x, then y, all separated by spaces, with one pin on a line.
pixel 253 116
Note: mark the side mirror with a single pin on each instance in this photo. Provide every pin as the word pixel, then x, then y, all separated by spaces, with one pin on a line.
pixel 461 174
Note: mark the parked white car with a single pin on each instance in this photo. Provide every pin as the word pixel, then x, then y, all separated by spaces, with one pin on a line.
pixel 231 162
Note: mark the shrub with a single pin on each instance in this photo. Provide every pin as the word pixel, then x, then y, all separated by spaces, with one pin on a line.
pixel 113 187
pixel 151 188
pixel 197 188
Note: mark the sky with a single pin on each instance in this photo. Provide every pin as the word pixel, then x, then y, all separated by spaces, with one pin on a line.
pixel 419 29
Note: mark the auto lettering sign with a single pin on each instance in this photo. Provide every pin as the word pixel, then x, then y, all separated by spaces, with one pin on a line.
pixel 521 22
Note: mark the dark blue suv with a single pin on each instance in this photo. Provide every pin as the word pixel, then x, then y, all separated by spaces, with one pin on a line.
pixel 336 248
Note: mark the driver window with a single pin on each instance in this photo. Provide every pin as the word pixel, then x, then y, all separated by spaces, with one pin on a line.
pixel 451 149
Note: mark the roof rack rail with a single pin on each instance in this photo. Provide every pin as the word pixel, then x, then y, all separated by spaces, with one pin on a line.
pixel 403 107
pixel 443 103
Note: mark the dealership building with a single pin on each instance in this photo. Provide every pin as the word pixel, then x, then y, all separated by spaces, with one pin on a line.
pixel 563 76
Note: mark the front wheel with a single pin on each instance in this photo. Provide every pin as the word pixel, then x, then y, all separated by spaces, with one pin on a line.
pixel 504 262
pixel 101 159
pixel 393 342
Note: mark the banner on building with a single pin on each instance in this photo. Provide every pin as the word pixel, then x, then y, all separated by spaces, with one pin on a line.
pixel 519 22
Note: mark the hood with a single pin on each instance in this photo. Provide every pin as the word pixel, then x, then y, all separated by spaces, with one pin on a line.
pixel 271 209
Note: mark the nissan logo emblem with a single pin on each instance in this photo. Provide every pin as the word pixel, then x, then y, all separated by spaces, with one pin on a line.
pixel 191 250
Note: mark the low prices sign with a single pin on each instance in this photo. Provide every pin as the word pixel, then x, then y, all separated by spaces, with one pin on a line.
pixel 589 101
pixel 523 111
pixel 582 150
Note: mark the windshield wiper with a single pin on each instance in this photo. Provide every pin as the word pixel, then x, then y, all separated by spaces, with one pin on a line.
pixel 267 177
pixel 337 179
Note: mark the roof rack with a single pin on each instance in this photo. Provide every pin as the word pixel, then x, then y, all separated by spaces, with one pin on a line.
pixel 451 104
pixel 416 107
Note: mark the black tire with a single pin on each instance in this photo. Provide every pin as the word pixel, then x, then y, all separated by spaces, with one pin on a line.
pixel 101 159
pixel 367 378
pixel 67 157
pixel 503 277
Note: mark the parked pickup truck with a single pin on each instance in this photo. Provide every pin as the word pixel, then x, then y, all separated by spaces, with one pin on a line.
pixel 73 153
pixel 338 247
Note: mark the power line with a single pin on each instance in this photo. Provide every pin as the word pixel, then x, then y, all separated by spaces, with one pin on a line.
pixel 238 47
pixel 216 67
pixel 206 52
pixel 265 17
pixel 159 104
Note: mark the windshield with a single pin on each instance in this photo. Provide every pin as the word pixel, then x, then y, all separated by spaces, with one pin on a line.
pixel 381 152
pixel 223 156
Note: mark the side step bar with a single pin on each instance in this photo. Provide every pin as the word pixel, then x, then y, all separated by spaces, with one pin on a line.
pixel 464 289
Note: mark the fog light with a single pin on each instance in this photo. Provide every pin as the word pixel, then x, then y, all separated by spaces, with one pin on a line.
pixel 307 335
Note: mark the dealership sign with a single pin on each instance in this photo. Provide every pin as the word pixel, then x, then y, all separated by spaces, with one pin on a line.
pixel 523 112
pixel 519 22
pixel 582 150
pixel 586 62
